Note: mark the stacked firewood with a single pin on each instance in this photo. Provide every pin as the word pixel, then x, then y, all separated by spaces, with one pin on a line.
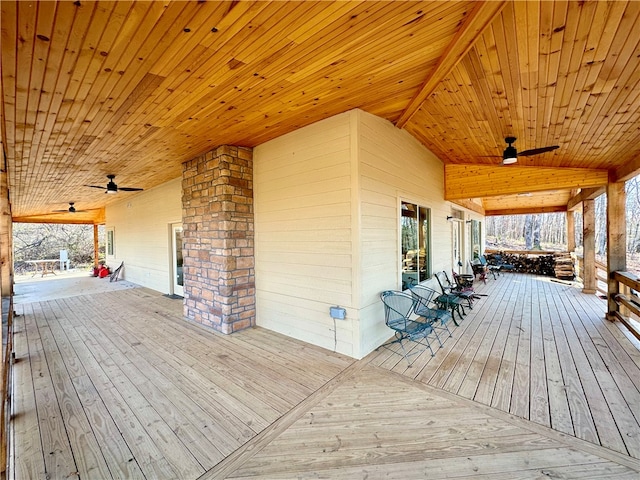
pixel 550 265
pixel 564 266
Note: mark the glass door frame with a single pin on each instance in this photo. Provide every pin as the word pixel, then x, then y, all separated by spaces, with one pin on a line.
pixel 176 261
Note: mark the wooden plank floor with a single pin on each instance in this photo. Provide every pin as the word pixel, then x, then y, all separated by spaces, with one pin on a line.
pixel 541 350
pixel 118 385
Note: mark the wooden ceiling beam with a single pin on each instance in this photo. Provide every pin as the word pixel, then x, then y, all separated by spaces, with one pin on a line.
pixel 469 204
pixel 479 181
pixel 525 211
pixel 585 194
pixel 479 18
pixel 94 217
pixel 627 171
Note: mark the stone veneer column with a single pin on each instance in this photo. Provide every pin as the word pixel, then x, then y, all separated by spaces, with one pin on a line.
pixel 218 236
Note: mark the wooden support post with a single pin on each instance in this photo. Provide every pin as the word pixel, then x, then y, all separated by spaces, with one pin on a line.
pixel 589 242
pixel 616 242
pixel 6 238
pixel 96 247
pixel 6 310
pixel 571 232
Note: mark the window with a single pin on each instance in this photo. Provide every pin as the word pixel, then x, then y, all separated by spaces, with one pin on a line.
pixel 110 241
pixel 416 244
pixel 476 235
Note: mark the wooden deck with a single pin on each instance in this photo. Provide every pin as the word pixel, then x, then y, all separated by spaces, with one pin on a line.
pixel 541 350
pixel 118 385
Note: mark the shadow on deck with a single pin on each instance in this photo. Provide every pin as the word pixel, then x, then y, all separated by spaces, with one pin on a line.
pixel 119 385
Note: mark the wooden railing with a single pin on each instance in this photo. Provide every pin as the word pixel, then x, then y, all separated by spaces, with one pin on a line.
pixel 601 279
pixel 627 301
pixel 5 411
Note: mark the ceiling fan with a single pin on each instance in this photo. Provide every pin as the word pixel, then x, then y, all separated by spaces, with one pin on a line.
pixel 113 188
pixel 71 209
pixel 510 154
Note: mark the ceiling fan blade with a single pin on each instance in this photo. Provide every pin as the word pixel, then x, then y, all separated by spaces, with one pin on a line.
pixel 96 186
pixel 536 151
pixel 129 189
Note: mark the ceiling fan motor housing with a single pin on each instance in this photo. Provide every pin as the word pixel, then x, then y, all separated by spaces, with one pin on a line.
pixel 510 154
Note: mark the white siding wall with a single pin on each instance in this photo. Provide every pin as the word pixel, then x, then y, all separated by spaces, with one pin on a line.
pixel 143 236
pixel 394 166
pixel 304 234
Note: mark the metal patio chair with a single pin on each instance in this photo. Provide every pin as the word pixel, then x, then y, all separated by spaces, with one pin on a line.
pixel 497 261
pixel 479 270
pixel 462 285
pixel 426 307
pixel 451 299
pixel 462 292
pixel 398 310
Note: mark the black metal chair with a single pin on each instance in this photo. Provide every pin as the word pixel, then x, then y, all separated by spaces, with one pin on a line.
pixel 426 307
pixel 479 270
pixel 497 261
pixel 398 310
pixel 461 285
pixel 450 299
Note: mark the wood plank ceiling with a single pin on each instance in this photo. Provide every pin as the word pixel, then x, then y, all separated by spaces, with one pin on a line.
pixel 135 88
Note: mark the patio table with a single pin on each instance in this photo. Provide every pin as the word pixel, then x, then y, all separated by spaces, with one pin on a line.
pixel 45 266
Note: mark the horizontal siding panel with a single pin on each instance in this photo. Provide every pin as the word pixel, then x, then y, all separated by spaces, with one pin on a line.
pixel 296 164
pixel 324 133
pixel 392 166
pixel 295 328
pixel 379 222
pixel 328 291
pixel 381 235
pixel 314 237
pixel 314 273
pixel 376 197
pixel 314 173
pixel 320 248
pixel 304 233
pixel 142 238
pixel 299 259
pixel 318 203
pixel 377 260
pixel 303 307
pixel 305 214
pixel 378 211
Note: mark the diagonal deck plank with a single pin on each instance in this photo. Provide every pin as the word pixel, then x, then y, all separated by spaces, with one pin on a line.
pixel 119 385
pixel 378 424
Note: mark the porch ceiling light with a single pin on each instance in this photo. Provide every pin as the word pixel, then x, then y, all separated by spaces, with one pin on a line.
pixel 112 187
pixel 510 154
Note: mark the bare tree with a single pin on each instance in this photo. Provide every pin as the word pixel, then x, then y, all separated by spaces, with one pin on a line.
pixel 32 241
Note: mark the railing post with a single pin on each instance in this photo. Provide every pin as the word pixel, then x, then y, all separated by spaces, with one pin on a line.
pixel 616 242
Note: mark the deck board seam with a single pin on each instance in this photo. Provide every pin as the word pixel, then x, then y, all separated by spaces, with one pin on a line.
pixel 244 453
pixel 568 440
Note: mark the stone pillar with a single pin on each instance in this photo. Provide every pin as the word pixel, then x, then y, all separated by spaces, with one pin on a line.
pixel 218 249
pixel 589 246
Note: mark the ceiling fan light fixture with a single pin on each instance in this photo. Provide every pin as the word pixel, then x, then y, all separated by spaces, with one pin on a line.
pixel 510 155
pixel 112 187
